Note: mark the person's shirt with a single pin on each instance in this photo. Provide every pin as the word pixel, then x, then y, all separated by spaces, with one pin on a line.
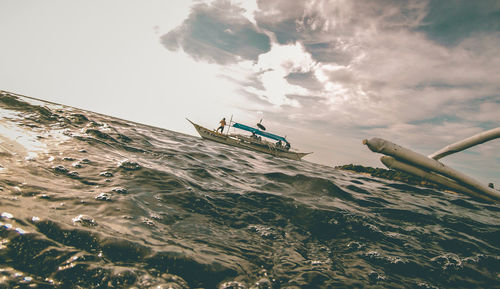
pixel 222 122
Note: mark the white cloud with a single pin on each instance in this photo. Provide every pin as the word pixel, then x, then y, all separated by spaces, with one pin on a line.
pixel 250 7
pixel 270 71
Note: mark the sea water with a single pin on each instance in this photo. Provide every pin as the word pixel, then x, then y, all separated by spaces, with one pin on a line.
pixel 91 201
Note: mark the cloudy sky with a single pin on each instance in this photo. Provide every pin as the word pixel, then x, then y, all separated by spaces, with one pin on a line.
pixel 325 73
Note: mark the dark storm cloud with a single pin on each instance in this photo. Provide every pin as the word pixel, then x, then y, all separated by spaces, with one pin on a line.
pixel 217 33
pixel 449 22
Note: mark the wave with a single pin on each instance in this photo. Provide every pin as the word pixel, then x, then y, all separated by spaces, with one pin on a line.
pixel 91 201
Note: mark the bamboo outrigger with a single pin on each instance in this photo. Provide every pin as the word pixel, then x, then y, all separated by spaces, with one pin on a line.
pixel 428 167
pixel 253 142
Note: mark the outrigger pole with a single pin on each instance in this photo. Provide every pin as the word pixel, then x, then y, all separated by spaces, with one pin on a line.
pixel 403 159
pixel 467 143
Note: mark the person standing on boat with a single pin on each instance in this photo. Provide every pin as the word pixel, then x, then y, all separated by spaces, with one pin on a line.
pixel 222 124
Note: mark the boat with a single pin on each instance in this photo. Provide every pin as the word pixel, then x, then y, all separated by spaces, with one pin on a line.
pixel 258 141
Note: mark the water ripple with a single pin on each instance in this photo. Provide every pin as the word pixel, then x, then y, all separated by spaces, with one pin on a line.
pixel 115 204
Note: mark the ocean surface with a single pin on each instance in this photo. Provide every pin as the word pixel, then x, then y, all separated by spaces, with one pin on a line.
pixel 91 201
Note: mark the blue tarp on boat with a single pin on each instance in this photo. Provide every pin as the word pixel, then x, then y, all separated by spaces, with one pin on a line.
pixel 259 132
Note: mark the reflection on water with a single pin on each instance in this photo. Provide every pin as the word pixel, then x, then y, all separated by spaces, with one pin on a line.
pixel 107 203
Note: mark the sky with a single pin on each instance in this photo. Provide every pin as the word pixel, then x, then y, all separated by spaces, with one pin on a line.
pixel 324 73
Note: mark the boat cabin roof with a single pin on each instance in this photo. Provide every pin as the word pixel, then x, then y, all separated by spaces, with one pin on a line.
pixel 259 132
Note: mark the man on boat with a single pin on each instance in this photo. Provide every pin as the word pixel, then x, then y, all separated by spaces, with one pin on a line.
pixel 222 124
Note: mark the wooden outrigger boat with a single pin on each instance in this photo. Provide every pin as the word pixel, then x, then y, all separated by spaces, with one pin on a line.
pixel 251 142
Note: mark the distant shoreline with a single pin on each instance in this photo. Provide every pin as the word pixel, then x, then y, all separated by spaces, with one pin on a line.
pixel 391 175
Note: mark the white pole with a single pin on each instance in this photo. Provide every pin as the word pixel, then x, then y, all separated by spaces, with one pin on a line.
pixel 467 143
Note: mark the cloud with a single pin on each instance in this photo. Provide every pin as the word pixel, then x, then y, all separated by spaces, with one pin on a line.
pixel 450 23
pixel 304 79
pixel 422 73
pixel 279 63
pixel 218 32
pixel 375 67
pixel 331 27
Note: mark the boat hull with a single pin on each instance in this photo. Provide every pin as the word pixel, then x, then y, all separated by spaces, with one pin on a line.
pixel 242 142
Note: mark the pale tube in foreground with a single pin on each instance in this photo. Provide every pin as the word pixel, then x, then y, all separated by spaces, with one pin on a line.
pixel 410 157
pixel 392 163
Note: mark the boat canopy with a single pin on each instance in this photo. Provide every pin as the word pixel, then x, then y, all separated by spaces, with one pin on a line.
pixel 259 132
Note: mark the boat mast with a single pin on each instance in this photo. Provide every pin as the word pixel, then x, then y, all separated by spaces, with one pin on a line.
pixel 229 127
